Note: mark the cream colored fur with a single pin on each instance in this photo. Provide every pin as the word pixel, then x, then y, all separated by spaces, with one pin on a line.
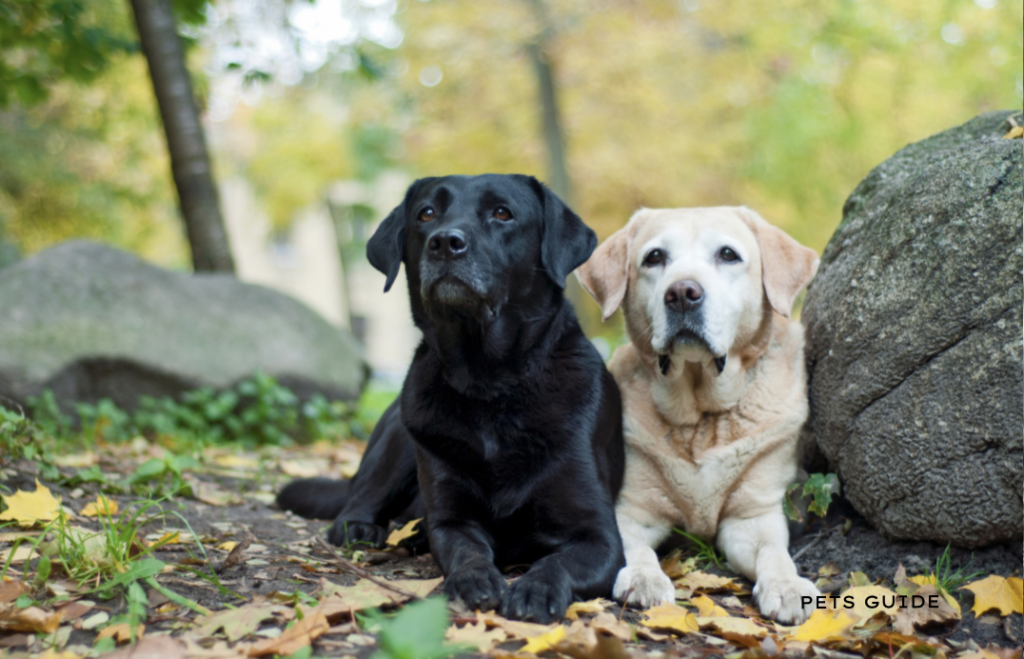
pixel 711 452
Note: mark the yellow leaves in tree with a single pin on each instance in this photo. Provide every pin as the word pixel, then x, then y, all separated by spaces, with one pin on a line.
pixel 671 617
pixel 406 531
pixel 101 506
pixel 27 508
pixel 824 625
pixel 995 592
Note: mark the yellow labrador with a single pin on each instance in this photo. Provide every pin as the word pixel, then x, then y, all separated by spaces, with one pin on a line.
pixel 713 390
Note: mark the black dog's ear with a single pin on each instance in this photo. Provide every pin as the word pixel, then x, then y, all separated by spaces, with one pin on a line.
pixel 567 242
pixel 386 248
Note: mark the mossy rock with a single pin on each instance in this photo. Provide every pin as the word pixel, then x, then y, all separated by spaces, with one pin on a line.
pixel 915 340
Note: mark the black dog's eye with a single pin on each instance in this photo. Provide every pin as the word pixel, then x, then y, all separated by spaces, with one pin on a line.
pixel 502 213
pixel 654 257
pixel 728 255
pixel 427 214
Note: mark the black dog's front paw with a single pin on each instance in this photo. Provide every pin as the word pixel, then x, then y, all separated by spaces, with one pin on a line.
pixel 478 586
pixel 537 597
pixel 346 532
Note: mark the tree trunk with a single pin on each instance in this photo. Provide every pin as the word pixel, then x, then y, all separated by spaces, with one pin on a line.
pixel 554 138
pixel 190 161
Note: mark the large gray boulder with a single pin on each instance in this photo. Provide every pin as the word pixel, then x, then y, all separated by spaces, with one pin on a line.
pixel 914 340
pixel 89 321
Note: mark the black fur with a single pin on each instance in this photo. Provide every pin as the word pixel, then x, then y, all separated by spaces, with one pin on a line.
pixel 508 425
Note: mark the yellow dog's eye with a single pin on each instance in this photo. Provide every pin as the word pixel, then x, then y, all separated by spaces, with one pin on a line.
pixel 427 214
pixel 502 213
pixel 654 257
pixel 728 254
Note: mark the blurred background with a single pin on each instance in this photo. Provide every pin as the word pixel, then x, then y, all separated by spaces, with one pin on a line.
pixel 319 114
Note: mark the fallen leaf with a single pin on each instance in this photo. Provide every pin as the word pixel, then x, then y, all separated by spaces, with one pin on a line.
pixel 707 608
pixel 672 617
pixel 209 493
pixel 824 625
pixel 406 531
pixel 709 583
pixel 236 623
pixel 31 619
pixel 912 616
pixel 101 506
pixel 293 639
pixel 477 636
pixel 736 626
pixel 303 468
pixel 545 641
pixel 829 569
pixel 999 593
pixel 11 589
pixel 514 628
pixel 27 508
pixel 1016 131
pixel 367 595
pixel 155 646
pixel 121 632
pixel 235 461
pixel 227 546
pixel 236 555
pixel 866 601
pixel 590 606
pixel 76 460
pixel 606 622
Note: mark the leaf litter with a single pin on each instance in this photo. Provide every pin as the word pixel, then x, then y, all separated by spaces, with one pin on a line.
pixel 225 575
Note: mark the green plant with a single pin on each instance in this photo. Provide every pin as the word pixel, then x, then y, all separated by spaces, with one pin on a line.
pixel 946 579
pixel 820 487
pixel 153 474
pixel 415 632
pixel 706 554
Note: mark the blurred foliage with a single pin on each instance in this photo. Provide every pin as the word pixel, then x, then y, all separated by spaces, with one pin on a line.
pixel 257 411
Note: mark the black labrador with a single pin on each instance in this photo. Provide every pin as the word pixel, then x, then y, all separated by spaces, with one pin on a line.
pixel 508 425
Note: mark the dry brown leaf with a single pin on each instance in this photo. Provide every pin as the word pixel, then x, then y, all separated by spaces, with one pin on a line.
pixel 158 646
pixel 514 628
pixel 406 531
pixel 583 642
pixel 671 617
pixel 995 592
pixel 31 619
pixel 866 601
pixel 367 595
pixel 235 623
pixel 913 616
pixel 734 626
pixel 708 583
pixel 11 589
pixel 27 508
pixel 121 632
pixel 606 622
pixel 293 639
pixel 476 635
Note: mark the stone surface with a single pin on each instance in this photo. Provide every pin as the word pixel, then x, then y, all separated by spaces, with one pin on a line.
pixel 914 340
pixel 89 321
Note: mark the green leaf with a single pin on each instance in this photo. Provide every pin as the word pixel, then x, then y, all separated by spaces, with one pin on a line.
pixel 141 570
pixel 416 632
pixel 149 469
pixel 821 487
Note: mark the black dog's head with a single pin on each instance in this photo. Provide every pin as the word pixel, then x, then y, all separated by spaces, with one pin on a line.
pixel 476 245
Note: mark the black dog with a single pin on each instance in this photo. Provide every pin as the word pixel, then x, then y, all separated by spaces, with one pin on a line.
pixel 508 423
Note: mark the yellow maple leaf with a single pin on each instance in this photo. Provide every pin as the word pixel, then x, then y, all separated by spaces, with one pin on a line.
pixel 698 580
pixel 866 601
pixel 406 531
pixel 27 508
pixel 824 625
pixel 706 607
pixel 995 592
pixel 670 616
pixel 545 641
pixel 101 506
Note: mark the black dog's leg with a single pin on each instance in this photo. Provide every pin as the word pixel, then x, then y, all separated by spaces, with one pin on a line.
pixel 466 556
pixel 584 568
pixel 383 487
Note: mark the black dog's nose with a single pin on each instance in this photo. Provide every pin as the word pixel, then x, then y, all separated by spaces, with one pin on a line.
pixel 447 244
pixel 684 295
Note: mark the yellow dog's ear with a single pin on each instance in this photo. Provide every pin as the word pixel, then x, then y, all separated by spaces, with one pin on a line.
pixel 605 275
pixel 786 265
